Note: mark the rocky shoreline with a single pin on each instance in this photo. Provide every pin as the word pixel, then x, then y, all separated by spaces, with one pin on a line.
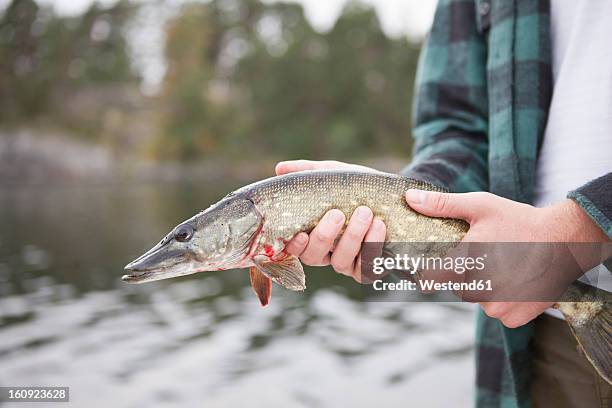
pixel 30 158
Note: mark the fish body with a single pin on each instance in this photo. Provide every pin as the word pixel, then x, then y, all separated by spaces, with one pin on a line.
pixel 250 227
pixel 296 202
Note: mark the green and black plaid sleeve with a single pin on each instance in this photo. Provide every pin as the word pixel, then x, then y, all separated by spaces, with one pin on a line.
pixel 451 105
pixel 482 96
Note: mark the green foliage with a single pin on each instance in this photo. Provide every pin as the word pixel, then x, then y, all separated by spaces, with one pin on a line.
pixel 248 78
pixel 244 79
pixel 41 53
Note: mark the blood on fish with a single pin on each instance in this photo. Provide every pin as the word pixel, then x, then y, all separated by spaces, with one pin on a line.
pixel 269 251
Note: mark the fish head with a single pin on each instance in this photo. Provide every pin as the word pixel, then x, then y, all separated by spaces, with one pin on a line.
pixel 216 239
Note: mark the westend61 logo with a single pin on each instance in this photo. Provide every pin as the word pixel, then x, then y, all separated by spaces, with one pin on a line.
pixel 480 271
pixel 412 264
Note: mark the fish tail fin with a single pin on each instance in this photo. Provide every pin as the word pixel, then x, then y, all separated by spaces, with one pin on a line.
pixel 595 338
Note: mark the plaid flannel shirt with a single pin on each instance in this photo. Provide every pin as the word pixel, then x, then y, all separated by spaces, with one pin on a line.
pixel 483 91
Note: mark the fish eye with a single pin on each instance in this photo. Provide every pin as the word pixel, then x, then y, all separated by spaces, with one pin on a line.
pixel 183 233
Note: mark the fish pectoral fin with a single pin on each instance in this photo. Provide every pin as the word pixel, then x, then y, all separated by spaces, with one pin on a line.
pixel 262 285
pixel 287 272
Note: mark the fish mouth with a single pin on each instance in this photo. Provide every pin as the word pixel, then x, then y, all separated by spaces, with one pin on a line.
pixel 137 276
pixel 141 275
pixel 137 272
pixel 160 262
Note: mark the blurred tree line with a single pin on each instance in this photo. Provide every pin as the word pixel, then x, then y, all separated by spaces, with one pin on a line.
pixel 244 78
pixel 41 52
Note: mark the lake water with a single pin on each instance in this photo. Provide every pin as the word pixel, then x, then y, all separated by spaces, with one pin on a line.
pixel 66 318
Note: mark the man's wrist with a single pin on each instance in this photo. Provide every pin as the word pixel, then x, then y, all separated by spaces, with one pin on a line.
pixel 571 224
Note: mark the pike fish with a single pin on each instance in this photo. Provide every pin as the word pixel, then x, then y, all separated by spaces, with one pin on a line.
pixel 250 227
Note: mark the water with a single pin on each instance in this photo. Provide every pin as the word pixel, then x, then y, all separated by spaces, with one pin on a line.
pixel 66 319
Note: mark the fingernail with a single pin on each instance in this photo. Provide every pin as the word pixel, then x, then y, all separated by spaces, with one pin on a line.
pixel 363 213
pixel 279 167
pixel 415 196
pixel 300 238
pixel 336 216
pixel 378 224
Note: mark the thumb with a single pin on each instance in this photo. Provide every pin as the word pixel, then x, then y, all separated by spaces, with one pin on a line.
pixel 292 166
pixel 447 205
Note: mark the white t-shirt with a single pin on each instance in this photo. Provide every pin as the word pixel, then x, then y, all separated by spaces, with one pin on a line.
pixel 577 145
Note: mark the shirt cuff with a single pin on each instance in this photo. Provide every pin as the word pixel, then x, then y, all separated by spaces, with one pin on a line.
pixel 595 198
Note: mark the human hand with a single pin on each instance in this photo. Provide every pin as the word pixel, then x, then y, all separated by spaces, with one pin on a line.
pixel 496 219
pixel 292 166
pixel 316 248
